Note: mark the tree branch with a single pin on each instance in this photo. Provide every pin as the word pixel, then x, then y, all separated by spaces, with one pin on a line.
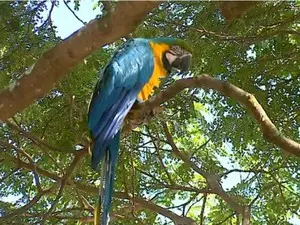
pixel 49 20
pixel 223 221
pixel 36 140
pixel 27 206
pixel 203 209
pixel 270 132
pixel 28 157
pixel 176 187
pixel 143 203
pixel 78 157
pixel 157 147
pixel 212 179
pixel 74 14
pixel 58 61
pixel 8 174
pixel 224 37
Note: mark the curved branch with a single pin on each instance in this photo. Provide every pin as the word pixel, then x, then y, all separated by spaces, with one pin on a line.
pixel 58 61
pixel 270 132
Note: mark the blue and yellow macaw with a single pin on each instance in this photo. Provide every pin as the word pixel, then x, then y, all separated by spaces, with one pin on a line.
pixel 132 74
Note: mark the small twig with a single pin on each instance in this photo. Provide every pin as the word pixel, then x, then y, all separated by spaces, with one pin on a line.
pixel 183 204
pixel 85 203
pixel 157 148
pixel 149 135
pixel 200 147
pixel 203 209
pixel 53 205
pixel 160 184
pixel 194 203
pixel 156 195
pixel 48 20
pixel 149 175
pixel 133 177
pixel 228 217
pixel 8 174
pixel 74 14
pixel 243 171
pixel 36 175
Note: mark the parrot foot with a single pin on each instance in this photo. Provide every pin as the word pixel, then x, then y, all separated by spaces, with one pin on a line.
pixel 138 117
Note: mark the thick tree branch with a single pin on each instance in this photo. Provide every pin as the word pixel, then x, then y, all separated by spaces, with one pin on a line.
pixel 270 132
pixel 235 9
pixel 58 61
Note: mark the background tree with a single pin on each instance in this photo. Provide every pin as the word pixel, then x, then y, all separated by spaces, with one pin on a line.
pixel 177 163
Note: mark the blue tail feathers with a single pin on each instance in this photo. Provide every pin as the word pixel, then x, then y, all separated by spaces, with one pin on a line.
pixel 108 173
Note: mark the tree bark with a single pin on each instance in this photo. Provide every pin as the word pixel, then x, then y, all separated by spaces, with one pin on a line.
pixel 58 61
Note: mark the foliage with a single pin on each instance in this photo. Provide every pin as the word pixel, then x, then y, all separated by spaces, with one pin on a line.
pixel 258 52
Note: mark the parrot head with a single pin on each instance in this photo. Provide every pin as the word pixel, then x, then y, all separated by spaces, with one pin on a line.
pixel 178 55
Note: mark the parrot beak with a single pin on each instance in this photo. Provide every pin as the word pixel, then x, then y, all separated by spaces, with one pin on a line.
pixel 181 62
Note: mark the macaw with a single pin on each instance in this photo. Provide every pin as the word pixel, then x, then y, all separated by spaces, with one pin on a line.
pixel 131 75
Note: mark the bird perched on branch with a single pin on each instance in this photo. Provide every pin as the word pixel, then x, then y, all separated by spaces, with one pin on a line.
pixel 132 74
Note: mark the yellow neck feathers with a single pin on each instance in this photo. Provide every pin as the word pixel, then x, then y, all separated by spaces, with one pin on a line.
pixel 158 72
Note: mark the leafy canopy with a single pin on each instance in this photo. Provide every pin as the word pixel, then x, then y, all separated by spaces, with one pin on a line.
pixel 175 164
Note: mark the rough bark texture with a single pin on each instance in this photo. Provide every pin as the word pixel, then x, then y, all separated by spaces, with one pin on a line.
pixel 235 9
pixel 58 61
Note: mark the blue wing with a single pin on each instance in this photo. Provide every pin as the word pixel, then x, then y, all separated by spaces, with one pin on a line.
pixel 122 79
pixel 120 82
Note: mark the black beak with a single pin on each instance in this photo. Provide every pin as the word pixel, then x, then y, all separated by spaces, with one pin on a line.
pixel 183 62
